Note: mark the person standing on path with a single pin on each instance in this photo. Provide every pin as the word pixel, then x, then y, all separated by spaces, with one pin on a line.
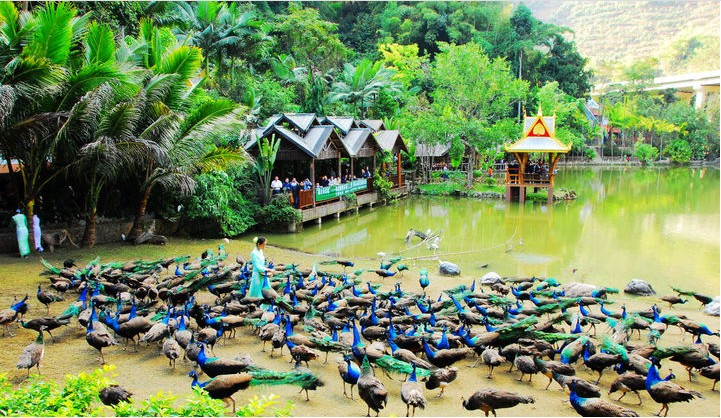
pixel 21 229
pixel 37 234
pixel 259 269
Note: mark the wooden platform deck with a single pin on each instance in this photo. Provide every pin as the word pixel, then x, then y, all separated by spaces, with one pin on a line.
pixel 338 206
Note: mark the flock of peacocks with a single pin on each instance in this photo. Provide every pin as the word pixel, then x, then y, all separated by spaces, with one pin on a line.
pixel 528 324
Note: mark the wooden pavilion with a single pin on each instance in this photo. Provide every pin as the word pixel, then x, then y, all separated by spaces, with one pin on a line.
pixel 539 137
pixel 312 140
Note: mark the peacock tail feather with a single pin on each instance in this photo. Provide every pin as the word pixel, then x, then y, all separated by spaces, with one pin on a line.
pixel 682 292
pixel 271 377
pixel 608 346
pixel 552 337
pixel 49 268
pixel 662 353
pixel 393 365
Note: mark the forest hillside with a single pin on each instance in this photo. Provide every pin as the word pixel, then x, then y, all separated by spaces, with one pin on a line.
pixel 682 35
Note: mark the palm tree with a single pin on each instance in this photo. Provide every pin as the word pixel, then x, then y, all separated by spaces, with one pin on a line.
pixel 219 29
pixel 41 82
pixel 362 84
pixel 177 124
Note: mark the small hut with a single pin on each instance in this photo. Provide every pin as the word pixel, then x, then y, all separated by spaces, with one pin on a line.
pixel 539 137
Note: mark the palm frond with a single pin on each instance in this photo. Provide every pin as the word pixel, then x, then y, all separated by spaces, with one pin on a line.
pixel 99 44
pixel 54 34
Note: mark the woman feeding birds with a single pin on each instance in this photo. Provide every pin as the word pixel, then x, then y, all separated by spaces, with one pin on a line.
pixel 259 268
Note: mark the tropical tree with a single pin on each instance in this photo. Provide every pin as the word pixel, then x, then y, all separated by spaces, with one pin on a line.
pixel 362 84
pixel 223 31
pixel 480 91
pixel 43 77
pixel 268 149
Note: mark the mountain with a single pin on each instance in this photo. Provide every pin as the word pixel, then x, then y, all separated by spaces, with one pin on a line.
pixel 682 35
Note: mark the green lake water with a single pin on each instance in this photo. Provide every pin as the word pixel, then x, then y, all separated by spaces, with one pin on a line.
pixel 657 224
pixel 661 225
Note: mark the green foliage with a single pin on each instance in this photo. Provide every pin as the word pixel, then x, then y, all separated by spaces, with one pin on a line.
pixel 383 187
pixel 278 212
pixel 646 153
pixel 268 149
pixel 265 406
pixel 590 153
pixel 216 199
pixel 350 200
pixel 38 397
pixel 678 151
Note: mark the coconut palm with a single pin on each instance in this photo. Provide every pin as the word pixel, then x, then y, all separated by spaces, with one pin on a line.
pixel 42 79
pixel 361 85
pixel 221 30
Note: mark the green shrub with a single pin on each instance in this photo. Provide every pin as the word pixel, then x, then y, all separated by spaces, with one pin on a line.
pixel 350 200
pixel 679 151
pixel 278 212
pixel 590 153
pixel 217 199
pixel 383 187
pixel 646 153
pixel 489 181
pixel 79 397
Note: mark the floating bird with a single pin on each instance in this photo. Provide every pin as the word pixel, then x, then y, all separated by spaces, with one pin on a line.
pixel 370 389
pixel 665 392
pixel 412 393
pixel 595 407
pixel 113 395
pixel 488 400
pixel 33 354
pixel 224 386
pixel 441 378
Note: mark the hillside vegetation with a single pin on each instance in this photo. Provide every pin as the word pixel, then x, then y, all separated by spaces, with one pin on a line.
pixel 682 35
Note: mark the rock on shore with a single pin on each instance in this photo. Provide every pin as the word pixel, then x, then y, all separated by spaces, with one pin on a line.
pixel 639 287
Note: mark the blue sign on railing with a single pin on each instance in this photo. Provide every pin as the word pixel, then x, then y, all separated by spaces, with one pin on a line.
pixel 338 190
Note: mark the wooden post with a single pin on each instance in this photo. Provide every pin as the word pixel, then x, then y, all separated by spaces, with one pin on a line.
pixel 340 173
pixel 400 180
pixel 312 179
pixel 352 173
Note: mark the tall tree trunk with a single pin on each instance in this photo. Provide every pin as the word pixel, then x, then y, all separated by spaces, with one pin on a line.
pixel 137 228
pixel 471 164
pixel 89 234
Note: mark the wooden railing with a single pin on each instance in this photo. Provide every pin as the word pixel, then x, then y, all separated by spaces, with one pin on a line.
pixel 306 198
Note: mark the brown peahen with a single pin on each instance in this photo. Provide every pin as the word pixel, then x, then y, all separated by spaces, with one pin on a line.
pixel 371 390
pixel 33 354
pixel 47 298
pixel 488 400
pixel 412 393
pixel 113 395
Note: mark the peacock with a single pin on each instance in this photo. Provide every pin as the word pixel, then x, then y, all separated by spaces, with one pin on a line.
pixel 223 386
pixel 7 316
pixel 349 373
pixel 488 400
pixel 547 368
pixel 114 394
pixel 99 338
pixel 47 298
pixel 171 349
pixel 214 366
pixel 595 407
pixel 600 361
pixel 710 372
pixel 441 378
pixel 631 382
pixel 45 324
pixel 492 359
pixel 412 393
pixel 33 354
pixel 666 392
pixel 370 389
